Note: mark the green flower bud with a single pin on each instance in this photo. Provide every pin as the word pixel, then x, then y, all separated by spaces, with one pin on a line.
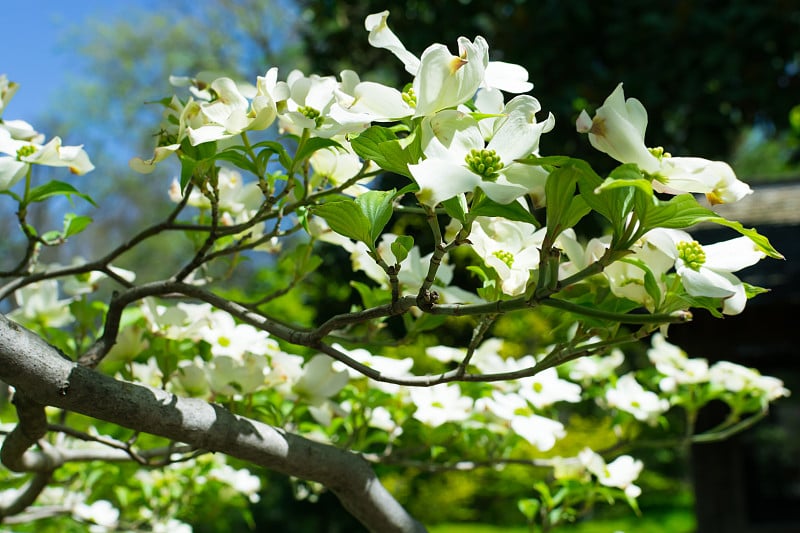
pixel 25 151
pixel 484 162
pixel 692 254
pixel 311 113
pixel 505 257
pixel 410 97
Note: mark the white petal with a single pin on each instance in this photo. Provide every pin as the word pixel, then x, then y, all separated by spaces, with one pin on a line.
pixel 502 193
pixel 440 180
pixel 445 80
pixel 507 77
pixel 207 133
pixel 450 134
pixel 706 282
pixel 735 304
pixel 732 255
pixel 11 171
pixel 518 134
pixel 618 130
pixel 161 153
pixel 381 101
pixel 380 36
pixel 715 179
pixel 489 101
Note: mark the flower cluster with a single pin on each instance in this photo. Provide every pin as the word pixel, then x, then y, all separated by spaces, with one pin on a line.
pixel 289 164
pixel 21 146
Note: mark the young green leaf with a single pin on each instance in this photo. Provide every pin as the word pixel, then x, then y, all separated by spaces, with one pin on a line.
pixel 381 145
pixel 56 188
pixel 313 144
pixel 346 218
pixel 377 208
pixel 74 224
pixel 564 208
pixel 486 207
pixel 456 207
pixel 401 246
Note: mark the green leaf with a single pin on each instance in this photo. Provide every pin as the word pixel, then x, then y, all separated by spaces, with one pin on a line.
pixel 371 296
pixel 377 207
pixel 643 184
pixel 273 147
pixel 632 190
pixel 564 208
pixel 794 118
pixel 612 205
pixel 381 145
pixel 13 195
pixel 753 290
pixel 486 207
pixel 238 159
pixel 51 237
pixel 529 507
pixel 313 144
pixel 401 246
pixel 479 271
pixel 56 188
pixel 195 160
pixel 187 170
pixel 759 240
pixel 301 260
pixel 578 209
pixel 346 218
pixel 701 302
pixel 167 359
pixel 553 160
pixel 456 207
pixel 203 151
pixel 650 284
pixel 74 224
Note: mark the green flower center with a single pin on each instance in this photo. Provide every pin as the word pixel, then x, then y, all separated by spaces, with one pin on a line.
pixel 692 254
pixel 311 113
pixel 659 152
pixel 538 387
pixel 410 97
pixel 25 151
pixel 484 162
pixel 505 257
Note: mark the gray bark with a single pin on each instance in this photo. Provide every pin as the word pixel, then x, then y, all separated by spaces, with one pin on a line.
pixel 44 377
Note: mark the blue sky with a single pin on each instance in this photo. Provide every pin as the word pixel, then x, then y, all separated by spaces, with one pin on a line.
pixel 33 51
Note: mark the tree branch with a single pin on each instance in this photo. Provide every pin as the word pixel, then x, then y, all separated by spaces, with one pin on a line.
pixel 34 367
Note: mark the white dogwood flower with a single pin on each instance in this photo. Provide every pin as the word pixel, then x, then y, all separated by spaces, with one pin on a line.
pixel 620 473
pixel 629 396
pixel 508 247
pixel 618 129
pixel 458 160
pixel 19 155
pixel 707 270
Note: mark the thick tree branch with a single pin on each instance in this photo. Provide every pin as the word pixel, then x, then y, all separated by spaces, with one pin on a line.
pixel 34 367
